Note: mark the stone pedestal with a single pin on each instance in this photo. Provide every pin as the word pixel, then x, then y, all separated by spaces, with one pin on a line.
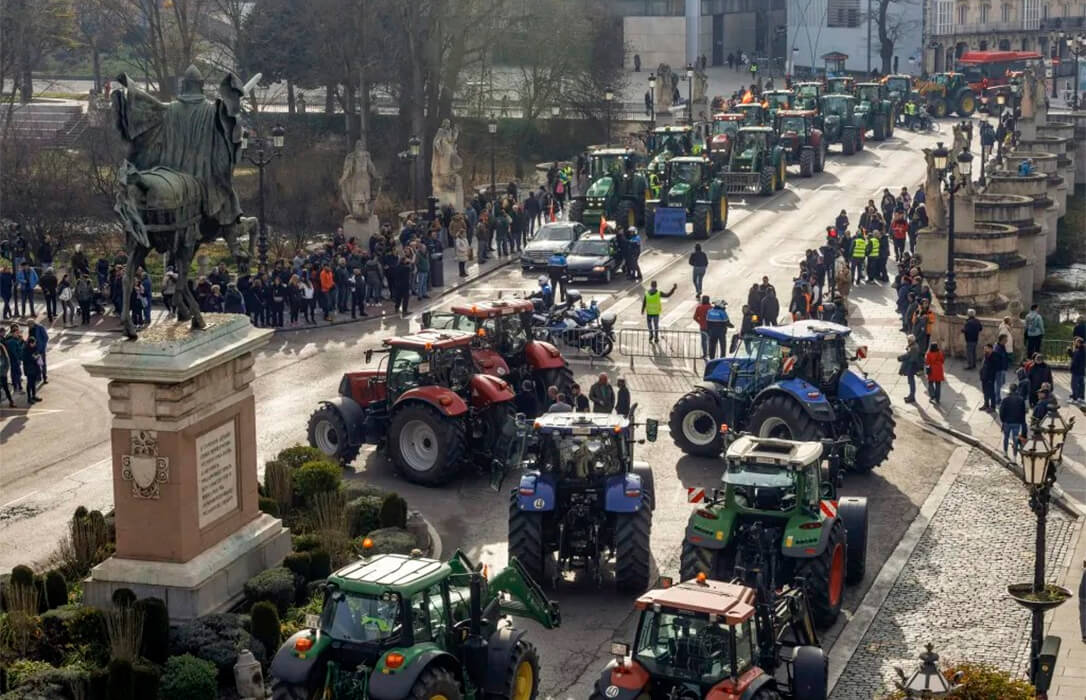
pixel 189 529
pixel 361 229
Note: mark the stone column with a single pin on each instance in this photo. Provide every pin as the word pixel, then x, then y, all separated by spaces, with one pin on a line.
pixel 189 529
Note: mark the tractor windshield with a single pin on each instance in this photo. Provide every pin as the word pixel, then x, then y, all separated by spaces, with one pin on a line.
pixel 685 172
pixel 750 140
pixel 794 124
pixel 512 336
pixel 836 107
pixel 869 93
pixel 899 85
pixel 583 457
pixel 612 165
pixel 780 101
pixel 684 646
pixel 807 91
pixel 359 618
pixel 451 367
pixel 725 126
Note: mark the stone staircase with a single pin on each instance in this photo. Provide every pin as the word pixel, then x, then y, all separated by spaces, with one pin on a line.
pixel 45 124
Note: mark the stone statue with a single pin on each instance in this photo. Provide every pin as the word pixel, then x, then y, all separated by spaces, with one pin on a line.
pixel 1029 94
pixel 933 193
pixel 175 189
pixel 447 184
pixel 963 138
pixel 701 86
pixel 354 184
pixel 664 86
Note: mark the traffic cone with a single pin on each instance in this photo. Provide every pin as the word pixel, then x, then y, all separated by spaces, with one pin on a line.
pixel 552 212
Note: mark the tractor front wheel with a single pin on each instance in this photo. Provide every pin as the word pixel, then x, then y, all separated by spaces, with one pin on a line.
pixel 782 174
pixel 720 213
pixel 878 437
pixel 425 446
pixel 694 424
pixel 853 513
pixel 715 563
pixel 435 684
pixel 806 162
pixel 848 142
pixel 879 130
pixel 561 377
pixel 967 104
pixel 767 180
pixel 328 433
pixel 820 162
pixel 526 539
pixel 781 416
pixel 521 674
pixel 825 578
pixel 633 557
pixel 703 221
pixel 576 210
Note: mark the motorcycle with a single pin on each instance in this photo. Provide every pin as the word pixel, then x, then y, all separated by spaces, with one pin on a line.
pixel 564 327
pixel 922 122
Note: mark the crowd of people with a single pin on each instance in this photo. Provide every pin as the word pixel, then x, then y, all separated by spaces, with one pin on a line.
pixel 602 397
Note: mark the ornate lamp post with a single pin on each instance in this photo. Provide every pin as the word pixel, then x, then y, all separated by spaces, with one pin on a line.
pixel 254 148
pixel 927 681
pixel 608 98
pixel 952 181
pixel 1054 41
pixel 652 102
pixel 492 129
pixel 1077 46
pixel 413 145
pixel 690 94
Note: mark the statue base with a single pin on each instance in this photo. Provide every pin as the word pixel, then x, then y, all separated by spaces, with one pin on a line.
pixel 361 229
pixel 452 195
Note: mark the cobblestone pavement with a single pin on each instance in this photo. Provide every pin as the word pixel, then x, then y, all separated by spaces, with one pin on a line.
pixel 952 591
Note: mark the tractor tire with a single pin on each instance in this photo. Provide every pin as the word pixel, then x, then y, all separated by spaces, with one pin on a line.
pixel 853 513
pixel 809 673
pixel 825 578
pixel 781 416
pixel 879 129
pixel 526 539
pixel 848 142
pixel 521 674
pixel 576 210
pixel 626 215
pixel 703 221
pixel 694 424
pixel 561 377
pixel 966 104
pixel 425 446
pixel 782 174
pixel 767 180
pixel 717 564
pixel 327 432
pixel 890 122
pixel 281 690
pixel 860 139
pixel 937 107
pixel 720 213
pixel 435 683
pixel 879 438
pixel 633 557
pixel 806 162
pixel 820 161
pixel 767 692
pixel 648 484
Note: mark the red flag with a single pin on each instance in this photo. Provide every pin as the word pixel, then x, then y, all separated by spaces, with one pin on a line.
pixel 552 212
pixel 747 97
pixel 603 224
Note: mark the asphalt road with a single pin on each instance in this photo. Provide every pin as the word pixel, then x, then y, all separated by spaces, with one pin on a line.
pixel 56 458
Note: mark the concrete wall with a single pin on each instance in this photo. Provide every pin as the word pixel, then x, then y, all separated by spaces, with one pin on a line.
pixel 657 40
pixel 808 32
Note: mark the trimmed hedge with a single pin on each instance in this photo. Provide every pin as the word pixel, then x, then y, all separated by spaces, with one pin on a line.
pixel 393 511
pixel 305 543
pixel 269 506
pixel 296 456
pixel 122 682
pixel 188 677
pixel 265 625
pixel 277 586
pixel 156 630
pixel 320 565
pixel 216 638
pixel 391 540
pixel 363 515
pixel 299 564
pixel 317 476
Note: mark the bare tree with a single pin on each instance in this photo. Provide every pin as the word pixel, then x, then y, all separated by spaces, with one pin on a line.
pixel 165 35
pixel 29 31
pixel 892 18
pixel 96 28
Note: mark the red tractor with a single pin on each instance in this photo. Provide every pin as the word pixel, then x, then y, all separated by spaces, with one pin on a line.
pixel 802 140
pixel 504 345
pixel 725 126
pixel 427 406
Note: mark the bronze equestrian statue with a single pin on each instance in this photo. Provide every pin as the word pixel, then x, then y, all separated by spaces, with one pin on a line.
pixel 175 189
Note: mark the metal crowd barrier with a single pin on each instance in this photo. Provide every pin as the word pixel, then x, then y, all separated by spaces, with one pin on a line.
pixel 680 345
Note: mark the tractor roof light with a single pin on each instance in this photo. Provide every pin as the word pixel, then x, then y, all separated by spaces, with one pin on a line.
pixel 367 546
pixel 702 579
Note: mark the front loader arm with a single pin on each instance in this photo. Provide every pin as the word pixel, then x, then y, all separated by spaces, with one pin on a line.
pixel 518 594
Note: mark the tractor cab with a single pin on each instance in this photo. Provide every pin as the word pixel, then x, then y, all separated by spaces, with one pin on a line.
pixel 501 330
pixel 841 85
pixel 776 100
pixel 898 87
pixel 582 446
pixel 610 162
pixel 871 93
pixel 616 189
pixel 427 358
pixel 671 141
pixel 795 123
pixel 749 142
pixel 838 105
pixel 753 113
pixel 725 126
pixel 808 95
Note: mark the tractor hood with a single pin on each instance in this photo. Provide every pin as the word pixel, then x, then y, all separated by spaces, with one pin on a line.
pixel 601 187
pixel 489 361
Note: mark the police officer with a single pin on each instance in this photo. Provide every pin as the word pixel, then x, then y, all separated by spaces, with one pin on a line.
pixel 556 270
pixel 633 252
pixel 717 325
pixel 857 256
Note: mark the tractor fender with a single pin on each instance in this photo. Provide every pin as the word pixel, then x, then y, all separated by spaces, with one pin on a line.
pixel 394 686
pixel 721 528
pixel 761 680
pixel 499 650
pixel 810 397
pixel 490 362
pixel 809 673
pixel 816 137
pixel 541 355
pixel 293 668
pixel 444 400
pixel 353 417
pixel 623 493
pixel 627 685
pixel 535 493
pixel 808 550
pixel 487 390
pixel 853 387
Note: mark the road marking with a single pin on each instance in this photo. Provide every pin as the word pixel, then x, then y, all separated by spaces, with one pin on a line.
pixel 99 463
pixel 20 498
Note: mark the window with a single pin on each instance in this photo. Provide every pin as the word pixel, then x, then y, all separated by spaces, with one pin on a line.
pixel 420 617
pixel 1031 14
pixel 744 646
pixel 985 10
pixel 438 616
pixel 843 13
pixel 1006 16
pixel 963 14
pixel 943 13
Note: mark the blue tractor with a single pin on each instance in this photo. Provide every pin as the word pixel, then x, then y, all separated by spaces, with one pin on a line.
pixel 584 500
pixel 791 382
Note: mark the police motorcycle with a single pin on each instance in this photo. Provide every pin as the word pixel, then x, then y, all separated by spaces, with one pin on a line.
pixel 574 324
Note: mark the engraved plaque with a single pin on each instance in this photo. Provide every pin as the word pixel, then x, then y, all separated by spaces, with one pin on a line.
pixel 216 474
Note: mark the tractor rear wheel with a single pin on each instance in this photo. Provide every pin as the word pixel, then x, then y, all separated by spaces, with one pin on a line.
pixel 425 446
pixel 809 673
pixel 521 674
pixel 890 121
pixel 526 539
pixel 633 557
pixel 766 693
pixel 576 210
pixel 781 416
pixel 848 142
pixel 782 174
pixel 966 104
pixel 878 438
pixel 714 563
pixel 328 433
pixel 825 578
pixel 703 221
pixel 648 484
pixel 694 424
pixel 820 162
pixel 806 162
pixel 720 213
pixel 626 215
pixel 767 180
pixel 281 690
pixel 435 684
pixel 853 513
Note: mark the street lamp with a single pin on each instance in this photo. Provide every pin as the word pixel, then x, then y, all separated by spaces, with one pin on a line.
pixel 492 129
pixel 1077 46
pixel 652 101
pixel 252 140
pixel 690 93
pixel 608 97
pixel 1054 41
pixel 1036 456
pixel 413 146
pixel 927 681
pixel 953 180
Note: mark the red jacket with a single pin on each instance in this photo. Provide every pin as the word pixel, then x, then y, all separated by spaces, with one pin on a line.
pixel 327 280
pixel 900 229
pixel 701 312
pixel 934 361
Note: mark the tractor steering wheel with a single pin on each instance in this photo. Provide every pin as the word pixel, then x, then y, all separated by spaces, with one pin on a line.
pixel 459 373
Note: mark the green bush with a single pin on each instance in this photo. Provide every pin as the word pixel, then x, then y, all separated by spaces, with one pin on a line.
pixel 277 586
pixel 363 515
pixel 145 679
pixel 87 625
pixel 122 684
pixel 279 482
pixel 305 543
pixel 320 565
pixel 982 682
pixel 265 625
pixel 216 638
pixel 317 476
pixel 22 670
pixel 296 456
pixel 391 540
pixel 56 589
pixel 299 563
pixel 123 597
pixel 188 677
pixel 393 511
pixel 156 630
pixel 80 512
pixel 357 489
pixel 22 575
pixel 269 506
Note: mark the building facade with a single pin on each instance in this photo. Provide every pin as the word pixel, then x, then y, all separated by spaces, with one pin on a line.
pixel 819 27
pixel 952 27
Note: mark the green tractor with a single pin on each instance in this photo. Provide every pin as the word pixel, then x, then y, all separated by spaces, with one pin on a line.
pixel 840 124
pixel 776 100
pixel 841 85
pixel 692 201
pixel 757 163
pixel 876 109
pixel 616 190
pixel 778 520
pixel 899 88
pixel 808 95
pixel 754 113
pixel 946 93
pixel 395 627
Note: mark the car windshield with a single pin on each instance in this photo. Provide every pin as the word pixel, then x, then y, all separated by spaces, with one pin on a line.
pixel 554 233
pixel 685 172
pixel 359 618
pixel 594 247
pixel 725 126
pixel 792 124
pixel 684 646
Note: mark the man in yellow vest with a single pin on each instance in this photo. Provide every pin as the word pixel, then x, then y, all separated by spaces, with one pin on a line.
pixel 857 255
pixel 873 245
pixel 652 306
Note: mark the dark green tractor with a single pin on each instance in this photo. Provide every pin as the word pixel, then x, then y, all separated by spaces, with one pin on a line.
pixel 616 190
pixel 692 200
pixel 875 109
pixel 808 95
pixel 757 163
pixel 841 85
pixel 778 521
pixel 754 113
pixel 395 626
pixel 840 124
pixel 899 89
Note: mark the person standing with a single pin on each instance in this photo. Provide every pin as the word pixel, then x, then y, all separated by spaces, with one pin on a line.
pixel 14 344
pixel 622 400
pixel 7 288
pixel 277 300
pixel 701 313
pixel 933 361
pixel 633 254
pixel 84 296
pixel 401 281
pixel 699 262
pixel 911 364
pixel 1077 351
pixel 25 281
pixel 1005 330
pixel 1035 331
pixel 5 367
pixel 882 255
pixel 1012 414
pixel 463 253
pixel 858 255
pixel 580 401
pixel 32 368
pixel 326 283
pixel 358 294
pixel 422 273
pixel 987 379
pixel 899 228
pixel 65 292
pixel 971 330
pixel 1001 362
pixel 146 294
pixel 169 288
pixel 874 249
pixel 602 395
pixel 718 324
pixel 1038 374
pixel 556 271
pixel 48 285
pixel 308 301
pixel 652 306
pixel 924 323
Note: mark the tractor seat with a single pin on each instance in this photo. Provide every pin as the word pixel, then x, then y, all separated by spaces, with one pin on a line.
pixel 767 498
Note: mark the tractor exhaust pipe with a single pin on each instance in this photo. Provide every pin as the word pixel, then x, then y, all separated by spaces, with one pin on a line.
pixel 476 588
